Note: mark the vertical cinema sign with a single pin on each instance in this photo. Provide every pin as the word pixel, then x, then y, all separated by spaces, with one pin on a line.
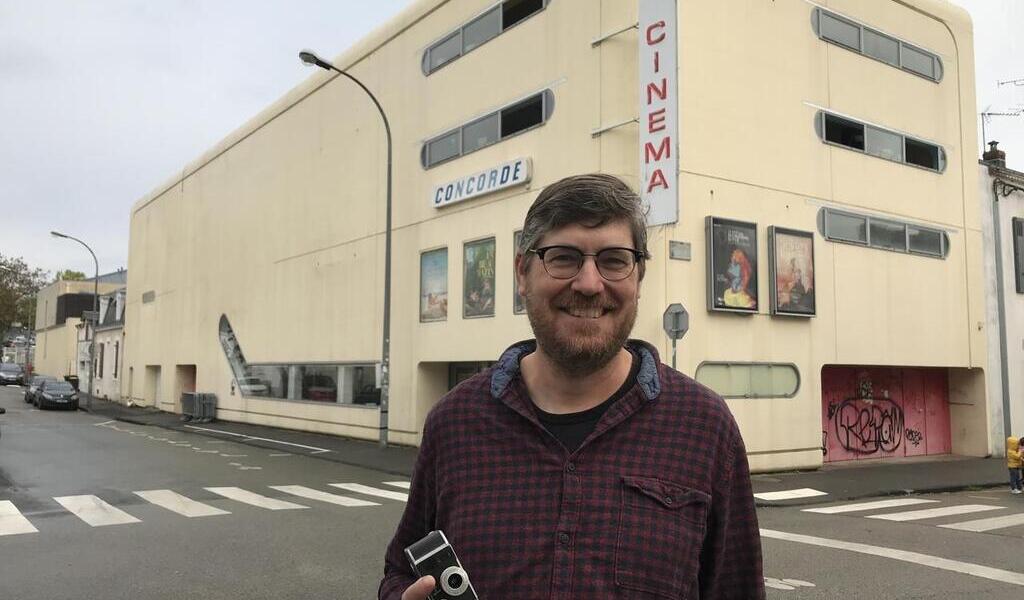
pixel 659 112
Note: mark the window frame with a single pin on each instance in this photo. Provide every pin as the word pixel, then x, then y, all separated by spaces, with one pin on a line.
pixel 1017 231
pixel 732 363
pixel 499 6
pixel 823 228
pixel 547 109
pixel 820 128
pixel 938 68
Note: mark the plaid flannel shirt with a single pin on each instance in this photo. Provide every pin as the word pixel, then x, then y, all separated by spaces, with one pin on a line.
pixel 656 503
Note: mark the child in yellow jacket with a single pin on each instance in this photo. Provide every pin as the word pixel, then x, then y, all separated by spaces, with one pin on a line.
pixel 1013 461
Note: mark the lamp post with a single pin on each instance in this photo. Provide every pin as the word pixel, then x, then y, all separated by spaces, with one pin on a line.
pixel 311 59
pixel 95 310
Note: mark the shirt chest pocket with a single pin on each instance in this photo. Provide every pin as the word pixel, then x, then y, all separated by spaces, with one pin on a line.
pixel 661 530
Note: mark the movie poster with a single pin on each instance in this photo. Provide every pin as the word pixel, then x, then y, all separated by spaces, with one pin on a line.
pixel 478 279
pixel 732 265
pixel 517 301
pixel 434 285
pixel 792 271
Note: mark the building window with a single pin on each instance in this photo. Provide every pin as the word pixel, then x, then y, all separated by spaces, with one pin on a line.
pixel 750 380
pixel 490 129
pixel 880 142
pixel 321 383
pixel 99 361
pixel 117 353
pixel 884 234
pixel 481 29
pixel 1018 253
pixel 851 35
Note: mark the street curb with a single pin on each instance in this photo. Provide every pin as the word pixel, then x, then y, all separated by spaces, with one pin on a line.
pixel 256 444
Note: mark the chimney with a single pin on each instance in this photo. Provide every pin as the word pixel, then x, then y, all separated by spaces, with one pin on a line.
pixel 994 156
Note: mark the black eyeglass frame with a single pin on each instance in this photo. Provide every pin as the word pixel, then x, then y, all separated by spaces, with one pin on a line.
pixel 638 255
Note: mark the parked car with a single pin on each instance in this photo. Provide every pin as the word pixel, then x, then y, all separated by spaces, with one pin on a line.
pixel 11 373
pixel 56 393
pixel 253 386
pixel 33 387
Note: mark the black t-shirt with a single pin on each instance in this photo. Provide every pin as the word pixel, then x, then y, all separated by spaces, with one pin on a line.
pixel 572 428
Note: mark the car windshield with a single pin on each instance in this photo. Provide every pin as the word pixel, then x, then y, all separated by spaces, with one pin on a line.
pixel 59 386
pixel 10 368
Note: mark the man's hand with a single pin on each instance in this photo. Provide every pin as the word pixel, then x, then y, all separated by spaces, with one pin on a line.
pixel 419 590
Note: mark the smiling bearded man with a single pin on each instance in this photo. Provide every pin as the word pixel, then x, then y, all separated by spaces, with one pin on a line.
pixel 579 466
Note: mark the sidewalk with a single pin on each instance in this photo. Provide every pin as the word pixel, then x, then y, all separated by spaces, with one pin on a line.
pixel 835 482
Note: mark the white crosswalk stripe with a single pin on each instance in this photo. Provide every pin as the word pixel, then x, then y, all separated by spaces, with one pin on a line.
pixel 12 522
pixel 989 524
pixel 95 511
pixel 175 502
pixel 371 491
pixel 401 484
pixel 790 494
pixel 932 513
pixel 310 493
pixel 254 499
pixel 862 506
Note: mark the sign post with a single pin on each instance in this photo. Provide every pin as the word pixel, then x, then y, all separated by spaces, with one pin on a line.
pixel 675 322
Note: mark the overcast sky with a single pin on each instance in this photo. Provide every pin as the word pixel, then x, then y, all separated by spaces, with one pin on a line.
pixel 100 102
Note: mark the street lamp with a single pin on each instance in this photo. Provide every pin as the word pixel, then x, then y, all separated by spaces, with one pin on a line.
pixel 95 310
pixel 311 59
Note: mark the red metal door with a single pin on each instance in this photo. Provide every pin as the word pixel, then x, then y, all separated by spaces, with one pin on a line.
pixel 915 428
pixel 936 406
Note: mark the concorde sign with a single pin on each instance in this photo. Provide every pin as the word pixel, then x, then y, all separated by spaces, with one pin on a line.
pixel 506 175
pixel 659 113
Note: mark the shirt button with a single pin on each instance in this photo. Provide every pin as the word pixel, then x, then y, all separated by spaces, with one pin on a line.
pixel 563 538
pixel 571 467
pixel 669 500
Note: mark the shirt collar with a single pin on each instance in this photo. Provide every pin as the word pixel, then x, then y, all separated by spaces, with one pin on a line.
pixel 507 368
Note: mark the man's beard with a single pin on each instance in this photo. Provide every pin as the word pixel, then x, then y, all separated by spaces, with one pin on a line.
pixel 578 356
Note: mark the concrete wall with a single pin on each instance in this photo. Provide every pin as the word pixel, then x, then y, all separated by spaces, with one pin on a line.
pixel 280 227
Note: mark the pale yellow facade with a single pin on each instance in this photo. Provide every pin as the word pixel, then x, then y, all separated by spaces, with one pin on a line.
pixel 280 228
pixel 57 343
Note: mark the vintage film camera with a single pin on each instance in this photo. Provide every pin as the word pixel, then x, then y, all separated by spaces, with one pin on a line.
pixel 433 555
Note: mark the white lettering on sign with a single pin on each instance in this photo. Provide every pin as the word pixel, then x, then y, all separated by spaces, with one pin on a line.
pixel 506 175
pixel 659 118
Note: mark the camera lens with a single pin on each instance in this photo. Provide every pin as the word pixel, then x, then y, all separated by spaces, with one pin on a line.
pixel 455 581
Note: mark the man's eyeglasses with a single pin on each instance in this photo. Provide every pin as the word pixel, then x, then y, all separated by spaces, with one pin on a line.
pixel 565 262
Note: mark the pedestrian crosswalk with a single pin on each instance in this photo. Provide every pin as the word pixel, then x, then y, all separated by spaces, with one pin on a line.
pixel 883 510
pixel 96 512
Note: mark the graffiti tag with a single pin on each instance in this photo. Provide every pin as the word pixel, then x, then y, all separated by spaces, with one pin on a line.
pixel 914 437
pixel 867 426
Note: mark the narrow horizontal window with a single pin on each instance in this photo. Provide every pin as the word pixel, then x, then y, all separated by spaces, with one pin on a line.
pixel 924 241
pixel 750 380
pixel 888 236
pixel 445 51
pixel 882 47
pixel 489 129
pixel 478 31
pixel 918 61
pixel 840 31
pixel 481 133
pixel 851 35
pixel 880 142
pixel 482 29
pixel 514 11
pixel 882 234
pixel 443 148
pixel 884 144
pixel 522 116
pixel 849 228
pixel 923 154
pixel 844 132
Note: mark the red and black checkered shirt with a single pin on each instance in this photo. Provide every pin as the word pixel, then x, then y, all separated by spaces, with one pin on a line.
pixel 656 503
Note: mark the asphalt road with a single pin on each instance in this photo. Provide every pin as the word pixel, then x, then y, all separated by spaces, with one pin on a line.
pixel 91 508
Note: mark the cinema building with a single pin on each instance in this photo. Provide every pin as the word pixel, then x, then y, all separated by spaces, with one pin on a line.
pixel 811 173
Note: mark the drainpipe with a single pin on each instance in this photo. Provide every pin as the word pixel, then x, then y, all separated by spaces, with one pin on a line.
pixel 1002 189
